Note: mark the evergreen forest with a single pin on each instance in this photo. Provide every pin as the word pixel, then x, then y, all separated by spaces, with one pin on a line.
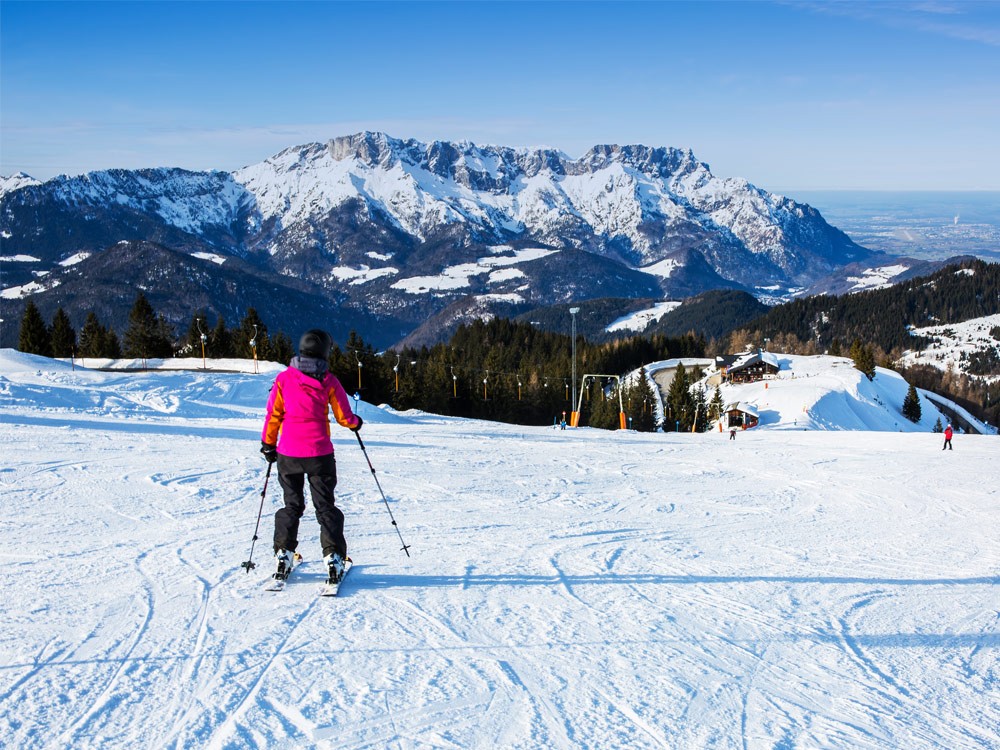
pixel 517 371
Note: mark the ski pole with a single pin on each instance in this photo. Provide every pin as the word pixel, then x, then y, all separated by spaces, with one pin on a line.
pixel 406 547
pixel 249 564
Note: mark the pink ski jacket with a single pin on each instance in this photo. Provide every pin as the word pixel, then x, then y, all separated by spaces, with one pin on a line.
pixel 298 413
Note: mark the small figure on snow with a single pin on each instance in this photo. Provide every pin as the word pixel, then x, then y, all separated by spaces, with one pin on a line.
pixel 296 435
pixel 732 433
pixel 947 438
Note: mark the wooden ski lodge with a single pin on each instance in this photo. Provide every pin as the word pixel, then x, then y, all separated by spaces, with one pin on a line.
pixel 750 368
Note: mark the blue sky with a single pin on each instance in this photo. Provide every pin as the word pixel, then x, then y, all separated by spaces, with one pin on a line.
pixel 808 95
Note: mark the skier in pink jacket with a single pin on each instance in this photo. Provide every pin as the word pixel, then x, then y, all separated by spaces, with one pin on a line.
pixel 296 434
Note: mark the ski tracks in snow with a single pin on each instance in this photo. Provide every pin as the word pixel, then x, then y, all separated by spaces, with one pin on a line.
pixel 571 589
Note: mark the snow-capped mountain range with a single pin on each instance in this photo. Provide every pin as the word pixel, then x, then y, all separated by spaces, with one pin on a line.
pixel 401 229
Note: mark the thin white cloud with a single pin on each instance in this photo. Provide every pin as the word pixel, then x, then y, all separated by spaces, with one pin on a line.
pixel 967 21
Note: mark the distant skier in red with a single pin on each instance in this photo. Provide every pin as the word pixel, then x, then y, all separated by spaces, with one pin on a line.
pixel 297 435
pixel 947 438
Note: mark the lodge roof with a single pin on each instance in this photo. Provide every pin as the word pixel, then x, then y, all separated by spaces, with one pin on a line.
pixel 744 407
pixel 754 358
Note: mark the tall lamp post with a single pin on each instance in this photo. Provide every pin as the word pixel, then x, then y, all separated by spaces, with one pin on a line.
pixel 253 347
pixel 204 338
pixel 574 416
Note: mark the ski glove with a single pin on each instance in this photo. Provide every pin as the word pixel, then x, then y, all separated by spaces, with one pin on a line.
pixel 357 427
pixel 270 451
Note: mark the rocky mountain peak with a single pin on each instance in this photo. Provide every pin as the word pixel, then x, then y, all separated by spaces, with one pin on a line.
pixel 407 227
pixel 16 182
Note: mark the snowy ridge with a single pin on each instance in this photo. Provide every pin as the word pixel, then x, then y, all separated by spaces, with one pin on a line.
pixel 16 182
pixel 191 201
pixel 786 589
pixel 26 290
pixel 613 191
pixel 371 222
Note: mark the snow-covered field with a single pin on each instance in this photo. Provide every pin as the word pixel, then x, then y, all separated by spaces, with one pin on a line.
pixel 822 393
pixel 567 589
pixel 638 320
pixel 951 341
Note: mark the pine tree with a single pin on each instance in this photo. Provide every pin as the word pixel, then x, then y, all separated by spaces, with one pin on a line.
pixel 34 337
pixel 252 334
pixel 147 335
pixel 141 328
pixel 603 410
pixel 92 337
pixel 716 405
pixel 868 362
pixel 680 404
pixel 855 352
pixel 111 348
pixel 938 427
pixel 700 410
pixel 221 340
pixel 911 405
pixel 864 358
pixel 62 334
pixel 164 342
pixel 643 404
pixel 282 350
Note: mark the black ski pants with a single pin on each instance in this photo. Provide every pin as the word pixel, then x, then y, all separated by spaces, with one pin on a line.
pixel 322 474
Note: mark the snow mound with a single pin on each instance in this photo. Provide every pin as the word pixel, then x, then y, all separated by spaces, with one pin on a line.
pixel 171 387
pixel 822 393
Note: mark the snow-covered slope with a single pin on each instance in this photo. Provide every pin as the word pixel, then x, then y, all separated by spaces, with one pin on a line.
pixel 567 589
pixel 194 202
pixel 637 321
pixel 953 343
pixel 825 393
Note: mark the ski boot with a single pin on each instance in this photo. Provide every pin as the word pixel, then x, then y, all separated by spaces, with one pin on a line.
pixel 285 561
pixel 334 567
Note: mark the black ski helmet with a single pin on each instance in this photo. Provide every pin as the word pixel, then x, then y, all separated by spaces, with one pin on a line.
pixel 315 343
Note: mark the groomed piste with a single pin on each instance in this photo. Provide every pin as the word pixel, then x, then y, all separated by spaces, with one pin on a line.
pixel 835 586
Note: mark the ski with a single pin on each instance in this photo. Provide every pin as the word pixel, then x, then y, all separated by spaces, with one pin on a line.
pixel 331 589
pixel 278 584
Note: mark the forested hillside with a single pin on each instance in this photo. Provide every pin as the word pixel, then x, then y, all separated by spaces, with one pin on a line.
pixel 594 316
pixel 507 371
pixel 516 371
pixel 711 314
pixel 883 317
